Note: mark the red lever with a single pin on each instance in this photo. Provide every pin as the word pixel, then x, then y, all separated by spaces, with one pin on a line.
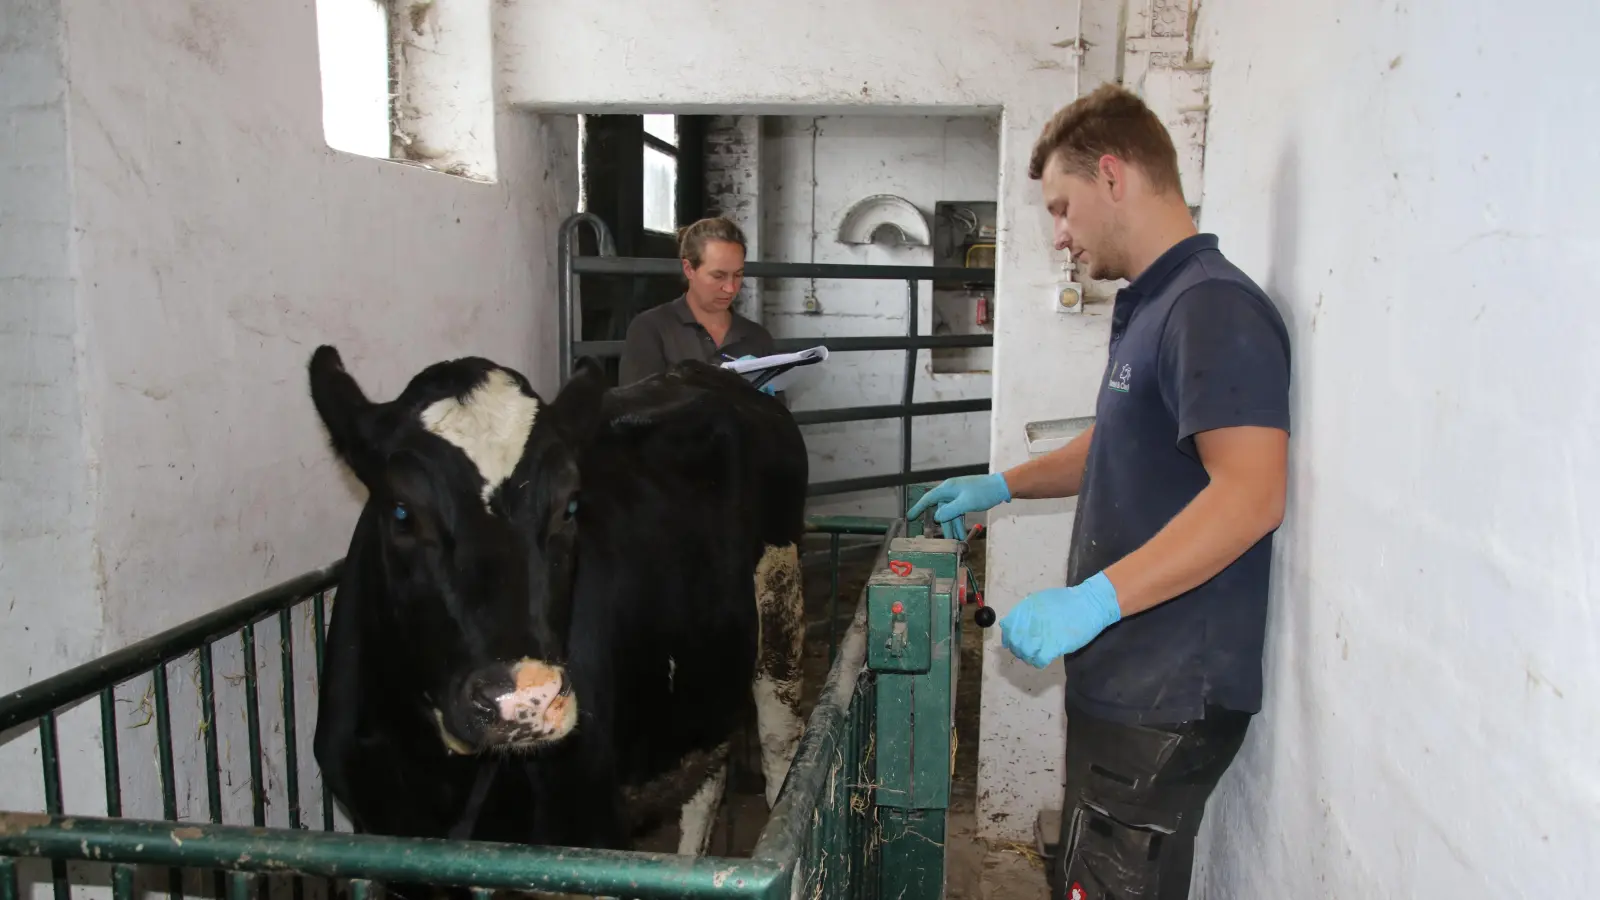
pixel 897 608
pixel 900 567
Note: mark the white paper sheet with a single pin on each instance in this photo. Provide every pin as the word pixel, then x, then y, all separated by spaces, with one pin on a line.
pixel 751 369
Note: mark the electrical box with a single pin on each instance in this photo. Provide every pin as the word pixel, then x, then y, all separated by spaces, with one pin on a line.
pixel 965 236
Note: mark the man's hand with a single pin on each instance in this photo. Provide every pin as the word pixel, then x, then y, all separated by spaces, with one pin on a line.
pixel 1051 623
pixel 958 496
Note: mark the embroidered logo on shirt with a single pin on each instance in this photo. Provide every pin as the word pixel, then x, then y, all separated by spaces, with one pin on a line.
pixel 1077 892
pixel 1120 376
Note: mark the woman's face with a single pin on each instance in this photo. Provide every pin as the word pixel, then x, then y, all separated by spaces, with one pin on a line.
pixel 713 286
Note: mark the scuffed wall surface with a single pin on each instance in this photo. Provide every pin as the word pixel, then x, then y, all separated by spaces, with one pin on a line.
pixel 221 242
pixel 1416 187
pixel 49 584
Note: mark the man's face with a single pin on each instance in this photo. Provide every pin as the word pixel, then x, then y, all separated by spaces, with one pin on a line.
pixel 1088 221
pixel 712 286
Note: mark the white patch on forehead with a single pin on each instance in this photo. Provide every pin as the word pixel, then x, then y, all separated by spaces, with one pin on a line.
pixel 491 426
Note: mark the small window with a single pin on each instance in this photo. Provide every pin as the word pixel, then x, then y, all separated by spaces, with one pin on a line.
pixel 661 173
pixel 353 51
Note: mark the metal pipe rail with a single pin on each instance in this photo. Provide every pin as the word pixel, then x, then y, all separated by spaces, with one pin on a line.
pixel 607 263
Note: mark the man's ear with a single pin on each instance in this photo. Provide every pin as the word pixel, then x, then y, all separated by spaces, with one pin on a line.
pixel 346 413
pixel 576 409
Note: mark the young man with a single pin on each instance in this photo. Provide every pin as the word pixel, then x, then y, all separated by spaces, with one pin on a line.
pixel 1180 484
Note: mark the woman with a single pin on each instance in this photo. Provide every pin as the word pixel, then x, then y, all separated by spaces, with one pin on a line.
pixel 701 324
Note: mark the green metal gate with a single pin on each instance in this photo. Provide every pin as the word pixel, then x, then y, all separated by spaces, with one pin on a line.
pixel 862 813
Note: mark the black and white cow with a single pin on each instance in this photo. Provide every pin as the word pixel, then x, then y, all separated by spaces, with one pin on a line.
pixel 554 615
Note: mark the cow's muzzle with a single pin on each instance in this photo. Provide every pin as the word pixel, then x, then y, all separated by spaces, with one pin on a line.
pixel 514 708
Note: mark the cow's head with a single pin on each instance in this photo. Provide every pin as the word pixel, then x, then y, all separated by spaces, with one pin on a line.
pixel 473 483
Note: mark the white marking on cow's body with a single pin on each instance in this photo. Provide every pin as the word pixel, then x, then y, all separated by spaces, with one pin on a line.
pixel 780 727
pixel 491 426
pixel 781 644
pixel 695 822
pixel 672 674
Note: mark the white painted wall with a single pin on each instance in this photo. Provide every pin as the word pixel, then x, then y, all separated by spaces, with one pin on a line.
pixel 1416 185
pixel 814 169
pixel 889 57
pixel 50 567
pixel 186 238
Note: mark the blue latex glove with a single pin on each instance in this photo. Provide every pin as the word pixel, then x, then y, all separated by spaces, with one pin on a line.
pixel 958 496
pixel 765 388
pixel 1051 623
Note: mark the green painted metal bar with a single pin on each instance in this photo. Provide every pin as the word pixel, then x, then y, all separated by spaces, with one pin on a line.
pixel 361 889
pixel 873 482
pixel 440 862
pixel 870 413
pixel 871 344
pixel 252 715
pixel 241 885
pixel 833 596
pixel 208 709
pixel 108 750
pixel 291 751
pixel 863 525
pixel 636 265
pixel 46 696
pixel 319 633
pixel 122 881
pixel 8 879
pixel 169 786
pixel 50 758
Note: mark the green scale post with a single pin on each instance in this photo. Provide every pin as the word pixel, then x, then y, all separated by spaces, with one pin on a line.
pixel 913 633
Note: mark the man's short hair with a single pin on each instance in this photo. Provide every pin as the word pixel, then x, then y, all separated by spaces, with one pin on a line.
pixel 1110 119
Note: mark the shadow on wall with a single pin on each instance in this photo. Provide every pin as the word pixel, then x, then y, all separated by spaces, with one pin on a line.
pixel 1253 798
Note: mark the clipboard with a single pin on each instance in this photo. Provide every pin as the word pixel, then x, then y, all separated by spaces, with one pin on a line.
pixel 777 370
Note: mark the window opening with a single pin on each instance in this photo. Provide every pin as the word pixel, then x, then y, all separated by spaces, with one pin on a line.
pixel 353 56
pixel 661 173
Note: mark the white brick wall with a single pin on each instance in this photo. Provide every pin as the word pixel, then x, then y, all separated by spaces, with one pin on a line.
pixel 733 189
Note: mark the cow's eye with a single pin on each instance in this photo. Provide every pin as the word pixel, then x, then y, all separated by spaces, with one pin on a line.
pixel 572 508
pixel 401 514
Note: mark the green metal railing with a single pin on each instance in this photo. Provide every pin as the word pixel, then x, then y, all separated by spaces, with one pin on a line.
pixel 824 838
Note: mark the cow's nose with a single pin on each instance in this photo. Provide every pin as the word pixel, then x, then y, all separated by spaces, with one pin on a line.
pixel 485 691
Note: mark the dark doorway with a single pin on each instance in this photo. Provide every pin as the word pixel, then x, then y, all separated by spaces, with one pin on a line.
pixel 644 176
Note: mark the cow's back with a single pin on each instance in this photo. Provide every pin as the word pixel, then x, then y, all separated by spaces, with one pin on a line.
pixel 694 477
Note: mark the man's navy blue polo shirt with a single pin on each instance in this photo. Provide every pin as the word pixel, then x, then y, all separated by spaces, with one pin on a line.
pixel 1195 345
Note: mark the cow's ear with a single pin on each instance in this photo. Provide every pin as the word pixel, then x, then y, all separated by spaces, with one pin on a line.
pixel 345 411
pixel 576 409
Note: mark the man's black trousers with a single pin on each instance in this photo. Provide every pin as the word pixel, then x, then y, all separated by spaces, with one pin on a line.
pixel 1135 795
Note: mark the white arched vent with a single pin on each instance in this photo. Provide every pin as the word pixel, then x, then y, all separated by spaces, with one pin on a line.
pixel 884 219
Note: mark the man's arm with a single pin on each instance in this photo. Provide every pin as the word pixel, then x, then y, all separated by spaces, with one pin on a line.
pixel 1244 502
pixel 1058 473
